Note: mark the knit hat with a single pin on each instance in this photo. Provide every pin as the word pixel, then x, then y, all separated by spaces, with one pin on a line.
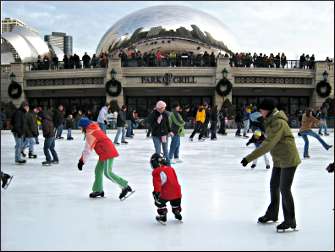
pixel 84 122
pixel 267 104
pixel 160 105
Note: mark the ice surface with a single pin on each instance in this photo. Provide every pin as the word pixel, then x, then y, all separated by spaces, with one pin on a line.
pixel 48 208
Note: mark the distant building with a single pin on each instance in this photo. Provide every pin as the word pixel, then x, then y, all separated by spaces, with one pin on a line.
pixel 60 40
pixel 8 24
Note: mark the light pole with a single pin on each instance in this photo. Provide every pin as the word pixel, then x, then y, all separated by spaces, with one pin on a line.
pixel 113 73
pixel 325 75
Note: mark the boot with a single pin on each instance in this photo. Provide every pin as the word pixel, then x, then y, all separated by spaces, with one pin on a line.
pixel 161 218
pixel 178 216
pixel 20 161
pixel 31 155
pixel 124 192
pixel 265 219
pixel 96 194
pixel 285 225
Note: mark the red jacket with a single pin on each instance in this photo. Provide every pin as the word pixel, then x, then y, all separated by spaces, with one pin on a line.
pixel 165 182
pixel 96 139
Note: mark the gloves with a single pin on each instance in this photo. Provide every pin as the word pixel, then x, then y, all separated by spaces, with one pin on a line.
pixel 247 143
pixel 158 200
pixel 244 162
pixel 80 164
pixel 330 167
pixel 105 122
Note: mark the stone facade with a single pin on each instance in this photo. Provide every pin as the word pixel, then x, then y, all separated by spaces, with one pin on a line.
pixel 169 81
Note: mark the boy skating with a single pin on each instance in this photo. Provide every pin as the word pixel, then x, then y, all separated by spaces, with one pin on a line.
pixel 96 139
pixel 166 188
pixel 258 138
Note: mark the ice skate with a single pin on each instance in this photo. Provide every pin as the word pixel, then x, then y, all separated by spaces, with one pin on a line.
pixel 161 219
pixel 125 193
pixel 253 166
pixel 284 226
pixel 178 217
pixel 46 163
pixel 268 167
pixel 31 155
pixel 97 194
pixel 6 179
pixel 265 219
pixel 20 162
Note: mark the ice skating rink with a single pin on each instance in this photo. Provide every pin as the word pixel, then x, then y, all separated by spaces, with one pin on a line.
pixel 48 208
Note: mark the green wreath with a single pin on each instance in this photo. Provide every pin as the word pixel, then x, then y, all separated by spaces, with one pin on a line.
pixel 323 89
pixel 224 83
pixel 14 90
pixel 113 83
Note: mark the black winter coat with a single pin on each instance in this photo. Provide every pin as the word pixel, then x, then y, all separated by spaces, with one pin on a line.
pixel 214 116
pixel 58 118
pixel 30 125
pixel 161 129
pixel 121 118
pixel 18 122
pixel 48 126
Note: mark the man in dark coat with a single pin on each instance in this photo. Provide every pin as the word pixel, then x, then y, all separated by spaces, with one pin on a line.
pixel 30 132
pixel 159 121
pixel 18 131
pixel 120 124
pixel 58 120
pixel 49 142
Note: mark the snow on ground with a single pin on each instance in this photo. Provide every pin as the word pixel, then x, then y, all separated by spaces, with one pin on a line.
pixel 48 208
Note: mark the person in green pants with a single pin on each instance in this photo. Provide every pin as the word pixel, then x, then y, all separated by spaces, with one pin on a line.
pixel 96 139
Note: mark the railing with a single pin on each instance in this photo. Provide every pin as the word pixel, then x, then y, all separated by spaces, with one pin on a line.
pixel 288 64
pixel 33 66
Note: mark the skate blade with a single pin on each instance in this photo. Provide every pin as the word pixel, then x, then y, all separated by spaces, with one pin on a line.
pixel 287 230
pixel 267 223
pixel 8 182
pixel 128 195
pixel 161 222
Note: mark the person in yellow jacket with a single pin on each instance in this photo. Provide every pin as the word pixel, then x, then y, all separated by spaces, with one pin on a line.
pixel 199 123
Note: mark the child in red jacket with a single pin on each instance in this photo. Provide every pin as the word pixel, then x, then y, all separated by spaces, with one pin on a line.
pixel 96 139
pixel 166 188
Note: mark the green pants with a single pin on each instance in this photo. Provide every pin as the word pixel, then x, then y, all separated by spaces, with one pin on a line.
pixel 106 168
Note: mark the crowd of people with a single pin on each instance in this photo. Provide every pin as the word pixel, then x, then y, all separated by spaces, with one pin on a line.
pixel 71 62
pixel 157 58
pixel 171 59
pixel 268 125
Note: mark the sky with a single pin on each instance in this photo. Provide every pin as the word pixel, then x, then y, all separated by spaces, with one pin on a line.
pixel 292 27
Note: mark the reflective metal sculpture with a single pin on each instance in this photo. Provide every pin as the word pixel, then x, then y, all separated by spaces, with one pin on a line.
pixel 168 27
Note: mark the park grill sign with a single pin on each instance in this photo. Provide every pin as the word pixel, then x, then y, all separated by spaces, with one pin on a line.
pixel 168 78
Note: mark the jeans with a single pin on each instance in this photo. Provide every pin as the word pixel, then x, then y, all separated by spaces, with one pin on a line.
pixel 246 125
pixel 213 129
pixel 129 128
pixel 69 133
pixel 59 131
pixel 18 147
pixel 174 147
pixel 306 133
pixel 103 127
pixel 281 182
pixel 29 142
pixel 49 144
pixel 158 143
pixel 323 125
pixel 119 130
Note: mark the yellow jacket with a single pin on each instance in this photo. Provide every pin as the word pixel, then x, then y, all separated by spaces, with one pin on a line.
pixel 201 116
